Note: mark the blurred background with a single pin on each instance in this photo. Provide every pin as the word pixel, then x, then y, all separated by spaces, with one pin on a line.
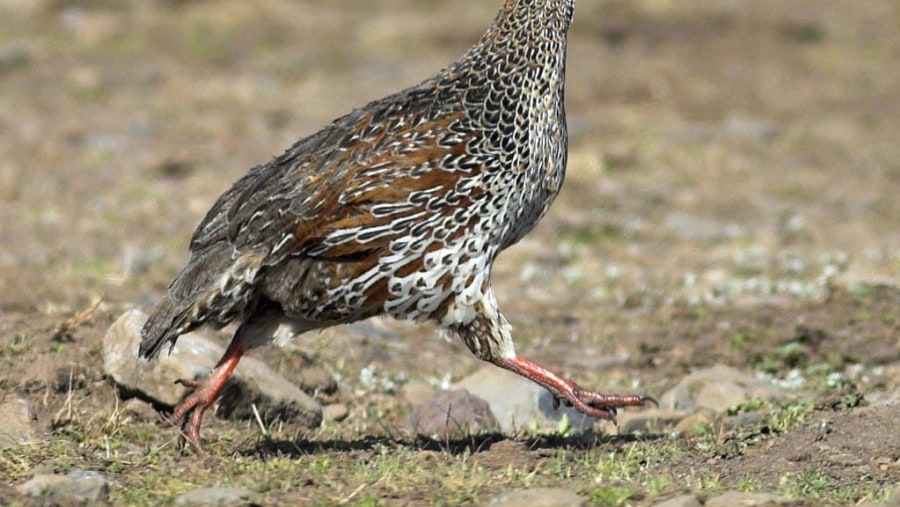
pixel 733 180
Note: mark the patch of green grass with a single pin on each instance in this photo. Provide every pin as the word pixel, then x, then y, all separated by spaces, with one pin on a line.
pixel 739 340
pixel 862 291
pixel 612 496
pixel 20 344
pixel 788 356
pixel 812 483
pixel 748 405
pixel 708 482
pixel 790 415
pixel 623 466
pixel 595 233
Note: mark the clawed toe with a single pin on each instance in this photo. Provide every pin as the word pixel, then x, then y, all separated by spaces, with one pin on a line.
pixel 602 406
pixel 648 399
pixel 188 414
pixel 190 383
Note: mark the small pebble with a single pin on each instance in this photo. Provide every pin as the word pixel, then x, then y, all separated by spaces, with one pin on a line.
pixel 336 412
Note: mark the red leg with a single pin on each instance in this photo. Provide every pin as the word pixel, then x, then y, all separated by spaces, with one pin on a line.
pixel 205 394
pixel 591 403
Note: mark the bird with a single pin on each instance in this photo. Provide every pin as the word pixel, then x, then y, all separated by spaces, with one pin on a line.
pixel 398 208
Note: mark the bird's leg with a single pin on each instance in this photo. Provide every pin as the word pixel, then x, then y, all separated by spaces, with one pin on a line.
pixel 592 403
pixel 189 413
pixel 489 336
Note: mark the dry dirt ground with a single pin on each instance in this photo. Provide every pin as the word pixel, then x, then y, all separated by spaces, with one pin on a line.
pixel 731 199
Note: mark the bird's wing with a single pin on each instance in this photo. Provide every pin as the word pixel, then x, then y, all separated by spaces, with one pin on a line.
pixel 340 194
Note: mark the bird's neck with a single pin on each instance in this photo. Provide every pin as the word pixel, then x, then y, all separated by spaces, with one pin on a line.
pixel 527 20
pixel 525 33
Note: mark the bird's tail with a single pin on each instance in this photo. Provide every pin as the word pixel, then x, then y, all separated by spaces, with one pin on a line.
pixel 164 325
pixel 194 297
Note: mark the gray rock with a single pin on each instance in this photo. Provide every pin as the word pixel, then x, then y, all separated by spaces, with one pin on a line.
pixel 742 499
pixel 539 497
pixel 16 420
pixel 314 379
pixel 336 412
pixel 520 405
pixel 417 391
pixel 680 501
pixel 139 410
pixel 78 486
pixel 694 424
pixel 749 128
pixel 253 383
pixel 213 496
pixel 744 419
pixel 69 378
pixel 695 228
pixel 649 420
pixel 718 388
pixel 720 395
pixel 452 414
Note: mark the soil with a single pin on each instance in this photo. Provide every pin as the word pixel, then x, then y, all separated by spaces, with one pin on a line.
pixel 731 199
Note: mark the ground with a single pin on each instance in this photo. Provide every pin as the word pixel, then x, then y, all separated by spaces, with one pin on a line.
pixel 730 199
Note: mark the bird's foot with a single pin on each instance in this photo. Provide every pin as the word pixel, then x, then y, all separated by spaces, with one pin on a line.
pixel 188 414
pixel 601 406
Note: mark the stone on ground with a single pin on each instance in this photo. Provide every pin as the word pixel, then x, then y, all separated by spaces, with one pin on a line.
pixel 452 414
pixel 213 496
pixel 648 420
pixel 742 499
pixel 680 501
pixel 538 497
pixel 15 422
pixel 335 412
pixel 253 383
pixel 718 388
pixel 520 405
pixel 78 487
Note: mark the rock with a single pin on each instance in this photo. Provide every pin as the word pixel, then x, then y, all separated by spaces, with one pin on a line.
pixel 314 379
pixel 695 228
pixel 68 378
pixel 718 388
pixel 539 497
pixel 720 395
pixel 191 358
pixel 16 422
pixel 82 486
pixel 139 410
pixel 680 501
pixel 336 412
pixel 694 424
pixel 452 414
pixel 213 496
pixel 651 420
pixel 417 391
pixel 749 128
pixel 742 499
pixel 743 419
pixel 521 405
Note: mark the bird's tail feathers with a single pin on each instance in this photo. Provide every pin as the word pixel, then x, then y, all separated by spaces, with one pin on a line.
pixel 163 326
pixel 213 288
